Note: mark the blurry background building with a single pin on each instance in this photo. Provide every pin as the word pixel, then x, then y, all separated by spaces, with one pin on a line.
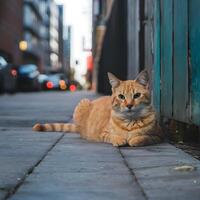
pixel 31 31
pixel 35 33
pixel 11 30
pixel 60 38
pixel 109 41
pixel 101 13
pixel 81 37
pixel 66 48
pixel 54 36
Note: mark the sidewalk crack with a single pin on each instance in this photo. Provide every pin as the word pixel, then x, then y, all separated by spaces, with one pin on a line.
pixel 13 190
pixel 132 173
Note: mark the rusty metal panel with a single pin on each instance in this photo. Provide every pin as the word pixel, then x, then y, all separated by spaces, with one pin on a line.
pixel 166 57
pixel 194 43
pixel 180 61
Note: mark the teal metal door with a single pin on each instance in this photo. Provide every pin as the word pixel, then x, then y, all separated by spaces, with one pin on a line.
pixel 166 57
pixel 176 77
pixel 194 59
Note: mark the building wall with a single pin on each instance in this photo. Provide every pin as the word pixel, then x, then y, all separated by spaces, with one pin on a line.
pixel 32 33
pixel 67 48
pixel 133 35
pixel 113 57
pixel 54 37
pixel 60 37
pixel 45 33
pixel 11 29
pixel 130 34
pixel 101 14
pixel 36 25
pixel 37 22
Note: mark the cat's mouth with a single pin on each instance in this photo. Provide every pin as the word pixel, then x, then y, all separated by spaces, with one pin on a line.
pixel 133 113
pixel 129 111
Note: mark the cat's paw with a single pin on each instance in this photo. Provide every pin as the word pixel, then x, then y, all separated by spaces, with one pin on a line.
pixel 138 141
pixel 118 141
pixel 37 127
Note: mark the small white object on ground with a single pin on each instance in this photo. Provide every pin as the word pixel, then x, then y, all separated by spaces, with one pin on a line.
pixel 185 168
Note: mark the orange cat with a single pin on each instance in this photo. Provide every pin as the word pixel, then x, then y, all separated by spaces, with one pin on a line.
pixel 126 117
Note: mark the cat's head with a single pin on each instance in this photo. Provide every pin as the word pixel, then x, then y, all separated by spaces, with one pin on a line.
pixel 131 98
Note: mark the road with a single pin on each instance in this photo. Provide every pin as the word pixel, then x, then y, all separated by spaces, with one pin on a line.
pixel 57 166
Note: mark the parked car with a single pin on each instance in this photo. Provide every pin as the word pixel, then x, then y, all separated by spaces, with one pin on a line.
pixel 53 82
pixel 8 76
pixel 74 85
pixel 43 79
pixel 56 82
pixel 28 78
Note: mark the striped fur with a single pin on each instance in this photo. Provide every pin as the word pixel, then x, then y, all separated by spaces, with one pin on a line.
pixel 125 118
pixel 56 127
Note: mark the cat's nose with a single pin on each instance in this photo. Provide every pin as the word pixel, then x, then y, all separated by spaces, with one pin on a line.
pixel 129 106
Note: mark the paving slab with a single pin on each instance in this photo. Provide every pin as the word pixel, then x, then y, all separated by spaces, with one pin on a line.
pixel 156 156
pixel 155 169
pixel 24 109
pixel 21 149
pixel 19 154
pixel 77 169
pixel 55 166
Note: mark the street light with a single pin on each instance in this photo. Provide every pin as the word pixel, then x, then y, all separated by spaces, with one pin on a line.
pixel 23 45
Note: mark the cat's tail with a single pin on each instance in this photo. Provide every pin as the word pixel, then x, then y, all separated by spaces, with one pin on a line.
pixel 56 127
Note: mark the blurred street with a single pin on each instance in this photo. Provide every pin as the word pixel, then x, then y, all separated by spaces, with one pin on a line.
pixel 57 166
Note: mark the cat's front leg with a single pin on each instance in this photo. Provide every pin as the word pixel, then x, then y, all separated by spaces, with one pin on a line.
pixel 143 140
pixel 114 139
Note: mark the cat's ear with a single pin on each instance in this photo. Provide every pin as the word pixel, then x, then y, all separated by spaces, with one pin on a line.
pixel 114 81
pixel 143 78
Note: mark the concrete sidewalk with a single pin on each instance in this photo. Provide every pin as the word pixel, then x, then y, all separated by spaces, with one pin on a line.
pixel 55 166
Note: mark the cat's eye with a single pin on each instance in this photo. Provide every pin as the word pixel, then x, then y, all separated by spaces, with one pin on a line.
pixel 136 95
pixel 121 96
